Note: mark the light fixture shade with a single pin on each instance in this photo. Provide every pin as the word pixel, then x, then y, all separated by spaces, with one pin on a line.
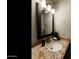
pixel 53 11
pixel 43 4
pixel 49 8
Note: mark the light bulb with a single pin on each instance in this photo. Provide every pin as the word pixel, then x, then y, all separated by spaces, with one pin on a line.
pixel 49 8
pixel 53 11
pixel 46 12
pixel 43 3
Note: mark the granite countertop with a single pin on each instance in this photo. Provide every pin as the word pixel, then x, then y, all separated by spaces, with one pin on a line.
pixel 39 52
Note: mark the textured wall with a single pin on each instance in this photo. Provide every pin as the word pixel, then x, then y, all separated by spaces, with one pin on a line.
pixel 63 18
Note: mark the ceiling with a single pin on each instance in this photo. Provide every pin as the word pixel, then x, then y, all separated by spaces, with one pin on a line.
pixel 53 1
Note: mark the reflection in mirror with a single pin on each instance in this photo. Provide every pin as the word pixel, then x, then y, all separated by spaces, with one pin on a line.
pixel 44 20
pixel 46 24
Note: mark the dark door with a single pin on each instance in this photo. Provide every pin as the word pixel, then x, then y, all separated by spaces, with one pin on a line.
pixel 18 29
pixel 68 52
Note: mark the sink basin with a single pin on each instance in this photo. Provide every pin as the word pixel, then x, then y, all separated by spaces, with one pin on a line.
pixel 54 47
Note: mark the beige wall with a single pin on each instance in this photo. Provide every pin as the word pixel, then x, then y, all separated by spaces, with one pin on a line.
pixel 63 18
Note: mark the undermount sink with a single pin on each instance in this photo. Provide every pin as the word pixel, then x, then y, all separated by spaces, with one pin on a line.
pixel 54 47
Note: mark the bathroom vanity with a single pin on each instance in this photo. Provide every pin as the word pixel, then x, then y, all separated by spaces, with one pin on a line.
pixel 51 50
pixel 49 45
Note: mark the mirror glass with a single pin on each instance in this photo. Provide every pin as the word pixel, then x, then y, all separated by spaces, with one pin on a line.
pixel 44 22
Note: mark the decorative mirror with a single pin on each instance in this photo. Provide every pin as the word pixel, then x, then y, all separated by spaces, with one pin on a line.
pixel 44 21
